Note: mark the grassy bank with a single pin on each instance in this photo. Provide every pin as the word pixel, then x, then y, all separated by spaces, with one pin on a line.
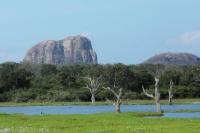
pixel 97 123
pixel 133 102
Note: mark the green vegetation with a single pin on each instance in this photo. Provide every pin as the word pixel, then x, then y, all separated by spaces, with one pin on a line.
pixel 97 123
pixel 132 102
pixel 50 83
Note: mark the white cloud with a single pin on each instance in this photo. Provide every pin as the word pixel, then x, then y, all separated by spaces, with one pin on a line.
pixel 5 57
pixel 186 38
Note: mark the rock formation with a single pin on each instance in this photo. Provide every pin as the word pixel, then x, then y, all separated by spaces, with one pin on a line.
pixel 171 58
pixel 71 50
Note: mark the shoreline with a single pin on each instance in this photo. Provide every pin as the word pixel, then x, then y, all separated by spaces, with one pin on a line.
pixel 132 102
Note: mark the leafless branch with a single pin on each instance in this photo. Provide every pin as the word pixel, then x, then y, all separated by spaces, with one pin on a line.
pixel 92 85
pixel 108 88
pixel 118 95
pixel 146 93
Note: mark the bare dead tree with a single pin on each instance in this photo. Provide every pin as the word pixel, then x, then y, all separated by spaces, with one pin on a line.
pixel 117 100
pixel 156 95
pixel 93 84
pixel 117 92
pixel 170 92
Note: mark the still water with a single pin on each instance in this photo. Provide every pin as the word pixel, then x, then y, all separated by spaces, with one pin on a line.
pixel 35 110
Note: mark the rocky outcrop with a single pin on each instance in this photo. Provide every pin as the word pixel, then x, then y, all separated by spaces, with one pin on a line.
pixel 71 50
pixel 171 58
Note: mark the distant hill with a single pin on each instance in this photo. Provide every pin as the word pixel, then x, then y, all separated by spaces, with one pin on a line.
pixel 171 58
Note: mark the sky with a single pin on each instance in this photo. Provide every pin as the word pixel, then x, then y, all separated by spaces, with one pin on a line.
pixel 121 31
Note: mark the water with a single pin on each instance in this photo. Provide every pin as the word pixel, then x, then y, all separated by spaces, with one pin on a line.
pixel 35 110
pixel 182 115
pixel 178 115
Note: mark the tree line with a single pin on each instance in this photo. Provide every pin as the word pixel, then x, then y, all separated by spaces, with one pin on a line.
pixel 84 82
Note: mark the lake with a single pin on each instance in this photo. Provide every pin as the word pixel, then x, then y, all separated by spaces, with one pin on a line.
pixel 36 110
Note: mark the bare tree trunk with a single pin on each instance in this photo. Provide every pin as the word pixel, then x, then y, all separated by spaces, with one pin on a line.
pixel 117 106
pixel 117 101
pixel 92 85
pixel 93 98
pixel 157 99
pixel 157 95
pixel 170 98
pixel 170 92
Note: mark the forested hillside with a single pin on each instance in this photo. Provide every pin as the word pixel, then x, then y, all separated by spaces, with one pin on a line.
pixel 25 82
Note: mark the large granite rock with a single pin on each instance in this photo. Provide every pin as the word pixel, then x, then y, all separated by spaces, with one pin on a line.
pixel 71 50
pixel 171 58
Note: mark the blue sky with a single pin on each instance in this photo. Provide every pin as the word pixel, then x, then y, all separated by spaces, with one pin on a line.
pixel 126 31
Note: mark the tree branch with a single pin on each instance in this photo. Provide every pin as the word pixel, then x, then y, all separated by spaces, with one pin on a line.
pixel 108 88
pixel 146 93
pixel 93 84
